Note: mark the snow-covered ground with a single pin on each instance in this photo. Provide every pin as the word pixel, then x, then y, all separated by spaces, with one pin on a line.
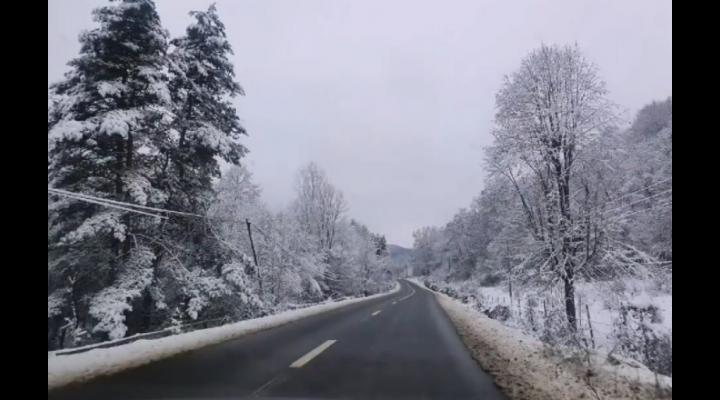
pixel 603 302
pixel 525 368
pixel 65 369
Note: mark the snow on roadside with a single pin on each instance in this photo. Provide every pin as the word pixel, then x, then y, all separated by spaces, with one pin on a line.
pixel 417 281
pixel 603 300
pixel 525 368
pixel 65 369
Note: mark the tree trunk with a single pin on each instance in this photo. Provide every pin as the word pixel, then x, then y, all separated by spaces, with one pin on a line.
pixel 116 244
pixel 570 302
pixel 126 219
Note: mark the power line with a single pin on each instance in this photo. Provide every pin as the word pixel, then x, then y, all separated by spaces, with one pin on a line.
pixel 106 204
pixel 142 207
pixel 128 207
pixel 639 190
pixel 132 206
pixel 616 218
pixel 636 201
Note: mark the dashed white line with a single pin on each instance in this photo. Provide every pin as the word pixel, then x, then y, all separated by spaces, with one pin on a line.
pixel 413 292
pixel 266 385
pixel 376 313
pixel 312 354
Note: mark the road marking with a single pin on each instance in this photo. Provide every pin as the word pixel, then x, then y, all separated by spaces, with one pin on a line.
pixel 376 313
pixel 267 384
pixel 413 292
pixel 312 354
pixel 394 302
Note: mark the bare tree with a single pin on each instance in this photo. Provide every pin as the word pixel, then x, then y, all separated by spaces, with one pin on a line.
pixel 548 112
pixel 319 205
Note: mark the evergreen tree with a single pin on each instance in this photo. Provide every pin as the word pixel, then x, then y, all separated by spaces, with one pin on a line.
pixel 106 129
pixel 205 129
pixel 206 126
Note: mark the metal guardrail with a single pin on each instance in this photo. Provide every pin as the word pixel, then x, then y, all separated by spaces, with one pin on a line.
pixel 148 335
pixel 170 331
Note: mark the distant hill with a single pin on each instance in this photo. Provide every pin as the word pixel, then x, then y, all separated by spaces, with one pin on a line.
pixel 401 257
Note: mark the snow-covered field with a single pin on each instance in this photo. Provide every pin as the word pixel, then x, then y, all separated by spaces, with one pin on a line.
pixel 526 368
pixel 603 302
pixel 65 369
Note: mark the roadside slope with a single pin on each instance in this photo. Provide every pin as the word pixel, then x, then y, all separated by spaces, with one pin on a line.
pixel 527 369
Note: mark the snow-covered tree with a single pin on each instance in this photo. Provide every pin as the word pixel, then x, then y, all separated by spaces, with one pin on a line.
pixel 206 125
pixel 204 131
pixel 295 263
pixel 319 205
pixel 429 244
pixel 549 111
pixel 135 124
pixel 359 265
pixel 106 129
pixel 642 208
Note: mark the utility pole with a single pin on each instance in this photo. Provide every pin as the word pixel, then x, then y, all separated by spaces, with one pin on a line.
pixel 252 246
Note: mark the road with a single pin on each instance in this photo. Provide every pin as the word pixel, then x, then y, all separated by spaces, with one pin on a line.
pixel 400 346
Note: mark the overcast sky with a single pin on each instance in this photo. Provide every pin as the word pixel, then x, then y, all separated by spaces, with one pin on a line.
pixel 395 99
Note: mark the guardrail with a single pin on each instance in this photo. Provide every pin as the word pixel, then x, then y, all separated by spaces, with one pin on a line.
pixel 172 331
pixel 148 335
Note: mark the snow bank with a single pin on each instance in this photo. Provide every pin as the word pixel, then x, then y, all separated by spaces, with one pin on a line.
pixel 525 368
pixel 417 281
pixel 65 369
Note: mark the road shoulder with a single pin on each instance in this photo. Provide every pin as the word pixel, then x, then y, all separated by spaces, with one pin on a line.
pixel 525 368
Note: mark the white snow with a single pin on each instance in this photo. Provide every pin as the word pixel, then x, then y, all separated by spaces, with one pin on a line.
pixel 138 187
pixel 64 369
pixel 213 138
pixel 55 302
pixel 119 122
pixel 108 306
pixel 108 221
pixel 418 282
pixel 525 368
pixel 602 300
pixel 111 88
pixel 604 307
pixel 65 130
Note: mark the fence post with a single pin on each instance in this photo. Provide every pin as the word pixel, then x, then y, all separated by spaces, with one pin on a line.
pixel 579 311
pixel 519 303
pixel 592 337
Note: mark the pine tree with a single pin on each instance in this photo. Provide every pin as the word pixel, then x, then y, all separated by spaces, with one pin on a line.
pixel 207 126
pixel 205 129
pixel 106 129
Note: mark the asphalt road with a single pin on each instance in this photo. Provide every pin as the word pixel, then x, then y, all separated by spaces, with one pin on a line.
pixel 396 347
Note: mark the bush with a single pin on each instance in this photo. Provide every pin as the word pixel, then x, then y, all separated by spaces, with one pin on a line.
pixel 636 336
pixel 491 279
pixel 499 312
pixel 556 331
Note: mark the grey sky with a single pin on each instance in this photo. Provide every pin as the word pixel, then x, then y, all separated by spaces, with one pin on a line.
pixel 395 99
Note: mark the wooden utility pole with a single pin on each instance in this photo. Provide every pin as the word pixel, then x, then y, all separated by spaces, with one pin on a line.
pixel 252 246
